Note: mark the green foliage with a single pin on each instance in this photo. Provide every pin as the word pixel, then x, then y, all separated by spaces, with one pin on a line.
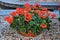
pixel 33 25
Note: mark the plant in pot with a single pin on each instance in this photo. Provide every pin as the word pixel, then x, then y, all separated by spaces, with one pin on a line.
pixel 30 21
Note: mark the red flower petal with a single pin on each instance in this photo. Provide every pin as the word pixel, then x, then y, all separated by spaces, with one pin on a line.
pixel 43 25
pixel 27 9
pixel 41 12
pixel 13 13
pixel 37 11
pixel 8 19
pixel 43 16
pixel 48 13
pixel 20 11
pixel 53 15
pixel 34 6
pixel 26 5
pixel 28 17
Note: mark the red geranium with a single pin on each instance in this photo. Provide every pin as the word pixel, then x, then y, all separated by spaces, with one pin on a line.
pixel 34 6
pixel 26 5
pixel 43 25
pixel 27 21
pixel 13 13
pixel 48 13
pixel 20 11
pixel 28 17
pixel 37 11
pixel 53 15
pixel 17 10
pixel 8 19
pixel 27 9
pixel 43 16
pixel 41 13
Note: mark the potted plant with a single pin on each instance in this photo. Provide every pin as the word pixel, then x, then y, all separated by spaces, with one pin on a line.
pixel 30 21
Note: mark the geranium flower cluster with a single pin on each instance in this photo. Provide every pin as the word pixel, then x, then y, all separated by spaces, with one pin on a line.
pixel 35 12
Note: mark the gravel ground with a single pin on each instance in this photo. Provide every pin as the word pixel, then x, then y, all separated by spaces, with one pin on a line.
pixel 6 33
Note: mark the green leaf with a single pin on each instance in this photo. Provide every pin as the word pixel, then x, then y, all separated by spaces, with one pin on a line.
pixel 34 17
pixel 16 17
pixel 31 23
pixel 13 25
pixel 33 29
pixel 22 29
pixel 27 26
pixel 39 30
pixel 43 21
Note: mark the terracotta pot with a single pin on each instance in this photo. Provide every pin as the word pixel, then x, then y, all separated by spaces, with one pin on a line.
pixel 29 34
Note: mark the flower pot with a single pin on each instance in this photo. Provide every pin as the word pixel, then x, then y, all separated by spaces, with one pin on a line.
pixel 29 34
